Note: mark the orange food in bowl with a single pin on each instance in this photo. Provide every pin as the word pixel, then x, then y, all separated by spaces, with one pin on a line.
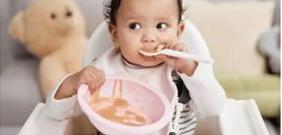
pixel 116 108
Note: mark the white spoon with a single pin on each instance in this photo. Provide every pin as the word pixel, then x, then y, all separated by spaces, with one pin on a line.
pixel 177 54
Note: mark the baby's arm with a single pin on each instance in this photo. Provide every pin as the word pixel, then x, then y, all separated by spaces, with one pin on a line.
pixel 62 103
pixel 208 97
pixel 91 76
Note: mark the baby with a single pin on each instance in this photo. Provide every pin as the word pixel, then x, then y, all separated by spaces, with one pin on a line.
pixel 136 25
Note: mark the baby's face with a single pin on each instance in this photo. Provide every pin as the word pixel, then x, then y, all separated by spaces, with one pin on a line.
pixel 145 24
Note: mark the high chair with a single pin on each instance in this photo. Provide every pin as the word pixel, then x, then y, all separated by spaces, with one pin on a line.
pixel 239 117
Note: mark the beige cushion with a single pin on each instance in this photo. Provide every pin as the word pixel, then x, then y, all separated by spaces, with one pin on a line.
pixel 231 30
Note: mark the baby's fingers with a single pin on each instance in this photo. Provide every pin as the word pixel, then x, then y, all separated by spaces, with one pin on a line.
pixel 93 82
pixel 176 46
pixel 93 77
pixel 179 47
pixel 101 77
pixel 96 82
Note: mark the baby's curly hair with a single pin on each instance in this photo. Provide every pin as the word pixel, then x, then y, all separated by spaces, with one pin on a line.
pixel 111 8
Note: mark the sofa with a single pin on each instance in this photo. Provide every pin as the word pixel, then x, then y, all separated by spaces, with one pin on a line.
pixel 231 29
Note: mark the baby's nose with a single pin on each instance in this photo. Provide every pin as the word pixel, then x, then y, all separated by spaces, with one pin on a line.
pixel 149 38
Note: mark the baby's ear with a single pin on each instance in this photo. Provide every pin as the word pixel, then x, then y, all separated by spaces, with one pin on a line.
pixel 113 31
pixel 16 28
pixel 180 28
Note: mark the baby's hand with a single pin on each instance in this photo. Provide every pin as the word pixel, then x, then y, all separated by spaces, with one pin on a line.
pixel 90 75
pixel 184 66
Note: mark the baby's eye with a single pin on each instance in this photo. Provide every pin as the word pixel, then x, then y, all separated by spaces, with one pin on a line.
pixel 135 26
pixel 162 26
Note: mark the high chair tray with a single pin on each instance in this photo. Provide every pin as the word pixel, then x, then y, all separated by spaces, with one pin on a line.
pixel 39 123
pixel 240 117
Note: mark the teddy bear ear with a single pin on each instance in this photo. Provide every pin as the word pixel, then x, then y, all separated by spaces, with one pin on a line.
pixel 16 28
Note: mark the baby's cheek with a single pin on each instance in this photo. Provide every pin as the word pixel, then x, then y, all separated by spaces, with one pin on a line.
pixel 169 38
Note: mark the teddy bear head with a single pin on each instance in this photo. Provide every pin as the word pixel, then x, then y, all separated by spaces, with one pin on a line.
pixel 46 25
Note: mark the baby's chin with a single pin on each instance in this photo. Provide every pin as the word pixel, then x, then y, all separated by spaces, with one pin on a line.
pixel 151 62
pixel 145 61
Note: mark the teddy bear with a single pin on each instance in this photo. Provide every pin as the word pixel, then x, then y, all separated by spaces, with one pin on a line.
pixel 54 32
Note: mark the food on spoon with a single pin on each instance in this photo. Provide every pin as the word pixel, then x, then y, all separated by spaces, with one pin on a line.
pixel 152 49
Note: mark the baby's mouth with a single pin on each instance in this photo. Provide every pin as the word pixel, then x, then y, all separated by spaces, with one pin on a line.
pixel 152 49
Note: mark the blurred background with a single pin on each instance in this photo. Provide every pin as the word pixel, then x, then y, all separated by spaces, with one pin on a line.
pixel 243 37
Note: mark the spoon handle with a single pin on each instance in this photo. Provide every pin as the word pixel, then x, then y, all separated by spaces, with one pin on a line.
pixel 183 55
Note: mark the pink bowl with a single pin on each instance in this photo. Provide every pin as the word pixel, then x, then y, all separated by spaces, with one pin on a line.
pixel 154 106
